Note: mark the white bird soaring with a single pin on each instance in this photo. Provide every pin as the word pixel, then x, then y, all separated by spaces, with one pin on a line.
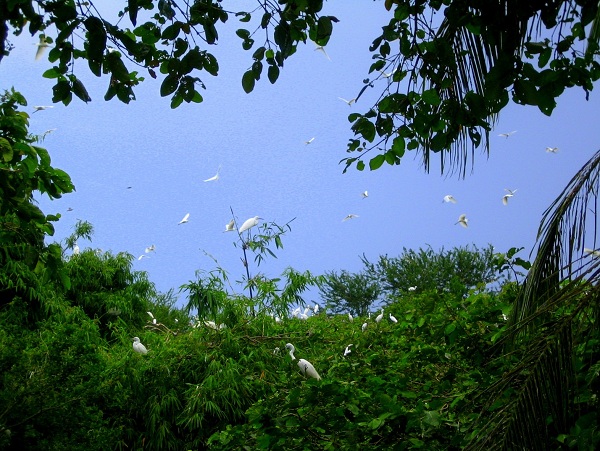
pixel 365 194
pixel 215 177
pixel 307 369
pixel 138 346
pixel 551 149
pixel 348 102
pixel 509 193
pixel 393 319
pixel 309 141
pixel 143 256
pixel 149 249
pixel 350 216
pixel 41 47
pixel 41 108
pixel 230 226
pixel 506 135
pixel 449 198
pixel 462 220
pixel 379 317
pixel 249 223
pixel 185 219
pixel 320 48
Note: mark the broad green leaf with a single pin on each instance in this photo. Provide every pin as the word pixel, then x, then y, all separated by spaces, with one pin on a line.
pixel 248 81
pixel 169 85
pixel 6 149
pixel 376 162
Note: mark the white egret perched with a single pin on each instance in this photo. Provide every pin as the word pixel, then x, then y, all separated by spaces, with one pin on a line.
pixel 551 149
pixel 462 220
pixel 75 249
pixel 393 318
pixel 364 327
pixel 291 349
pixel 249 223
pixel 350 318
pixel 347 350
pixel 379 317
pixel 309 141
pixel 506 135
pixel 307 369
pixel 296 312
pixel 348 102
pixel 230 226
pixel 350 216
pixel 449 198
pixel 316 309
pixel 365 194
pixel 215 177
pixel 138 346
pixel 152 316
pixel 185 219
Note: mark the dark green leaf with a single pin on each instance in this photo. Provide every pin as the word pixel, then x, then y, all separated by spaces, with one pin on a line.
pixel 248 81
pixel 376 162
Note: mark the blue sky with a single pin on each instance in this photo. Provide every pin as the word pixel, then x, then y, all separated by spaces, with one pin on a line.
pixel 267 170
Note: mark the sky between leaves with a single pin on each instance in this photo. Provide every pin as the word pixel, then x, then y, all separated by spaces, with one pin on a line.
pixel 139 168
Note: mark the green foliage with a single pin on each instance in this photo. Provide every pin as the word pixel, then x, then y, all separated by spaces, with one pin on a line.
pixel 457 270
pixel 347 292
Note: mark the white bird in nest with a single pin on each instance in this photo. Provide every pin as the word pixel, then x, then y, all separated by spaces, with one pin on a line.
pixel 462 220
pixel 348 102
pixel 449 198
pixel 551 149
pixel 309 141
pixel 249 223
pixel 230 226
pixel 185 219
pixel 379 317
pixel 365 194
pixel 350 216
pixel 393 319
pixel 506 135
pixel 215 177
pixel 320 48
pixel 138 346
pixel 347 350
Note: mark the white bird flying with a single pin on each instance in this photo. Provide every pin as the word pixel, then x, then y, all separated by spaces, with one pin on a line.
pixel 449 198
pixel 592 252
pixel 41 108
pixel 347 350
pixel 307 369
pixel 506 135
pixel 348 102
pixel 505 198
pixel 41 47
pixel 462 220
pixel 309 141
pixel 143 256
pixel 393 319
pixel 511 191
pixel 149 249
pixel 320 48
pixel 350 216
pixel 185 219
pixel 138 346
pixel 388 74
pixel 365 194
pixel 249 223
pixel 551 149
pixel 230 226
pixel 291 349
pixel 215 177
pixel 379 317
pixel 364 327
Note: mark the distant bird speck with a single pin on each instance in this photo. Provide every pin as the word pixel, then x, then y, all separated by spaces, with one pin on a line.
pixel 348 102
pixel 462 220
pixel 149 249
pixel 365 194
pixel 185 219
pixel 230 226
pixel 551 149
pixel 449 198
pixel 506 135
pixel 321 49
pixel 41 108
pixel 309 141
pixel 350 216
pixel 141 257
pixel 69 209
pixel 215 177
